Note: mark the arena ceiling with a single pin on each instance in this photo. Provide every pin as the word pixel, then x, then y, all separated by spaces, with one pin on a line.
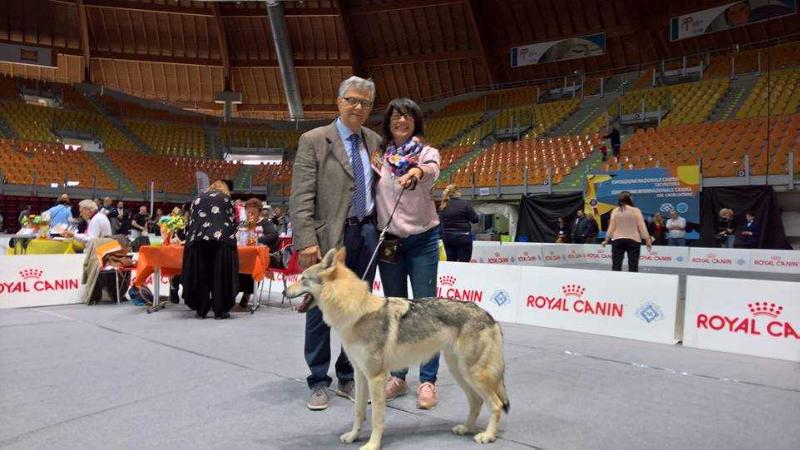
pixel 182 52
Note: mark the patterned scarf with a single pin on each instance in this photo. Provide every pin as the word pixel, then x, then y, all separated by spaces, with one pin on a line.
pixel 404 158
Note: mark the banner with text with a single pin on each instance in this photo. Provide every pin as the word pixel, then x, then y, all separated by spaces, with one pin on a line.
pixel 752 317
pixel 571 48
pixel 600 302
pixel 731 15
pixel 654 190
pixel 40 280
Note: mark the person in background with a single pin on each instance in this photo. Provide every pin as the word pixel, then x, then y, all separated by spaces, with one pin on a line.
pixel 591 229
pixel 580 228
pixel 614 138
pixel 676 229
pixel 238 211
pixel 139 223
pixel 604 152
pixel 726 228
pixel 152 223
pixel 751 232
pixel 626 230
pixel 98 227
pixel 456 215
pixel 658 230
pixel 411 167
pixel 26 211
pixel 111 212
pixel 61 213
pixel 278 219
pixel 262 232
pixel 124 217
pixel 562 233
pixel 210 259
pixel 332 205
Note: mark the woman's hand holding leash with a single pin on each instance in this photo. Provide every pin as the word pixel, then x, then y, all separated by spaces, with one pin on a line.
pixel 409 180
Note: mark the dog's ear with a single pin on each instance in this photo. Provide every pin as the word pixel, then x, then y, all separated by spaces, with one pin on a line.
pixel 329 260
pixel 341 254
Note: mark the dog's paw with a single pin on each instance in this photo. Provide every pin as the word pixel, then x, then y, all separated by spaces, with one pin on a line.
pixel 461 429
pixel 484 438
pixel 369 446
pixel 349 437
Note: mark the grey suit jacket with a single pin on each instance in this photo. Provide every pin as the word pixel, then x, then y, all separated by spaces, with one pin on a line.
pixel 322 187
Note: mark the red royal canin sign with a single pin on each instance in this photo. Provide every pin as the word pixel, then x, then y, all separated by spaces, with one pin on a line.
pixel 448 288
pixel 40 280
pixel 572 299
pixel 752 317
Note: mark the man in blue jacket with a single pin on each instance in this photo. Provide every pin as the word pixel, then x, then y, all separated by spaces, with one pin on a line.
pixel 61 213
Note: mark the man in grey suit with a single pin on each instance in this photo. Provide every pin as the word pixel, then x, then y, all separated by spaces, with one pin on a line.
pixel 332 204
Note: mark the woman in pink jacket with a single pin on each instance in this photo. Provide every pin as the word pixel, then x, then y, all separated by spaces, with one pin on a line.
pixel 626 230
pixel 407 165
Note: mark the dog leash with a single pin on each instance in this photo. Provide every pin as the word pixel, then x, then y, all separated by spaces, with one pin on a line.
pixel 382 236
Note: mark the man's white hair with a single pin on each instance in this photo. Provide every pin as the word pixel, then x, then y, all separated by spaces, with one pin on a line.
pixel 88 204
pixel 358 84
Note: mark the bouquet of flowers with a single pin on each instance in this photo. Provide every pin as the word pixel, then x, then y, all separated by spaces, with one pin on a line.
pixel 31 221
pixel 170 224
pixel 39 222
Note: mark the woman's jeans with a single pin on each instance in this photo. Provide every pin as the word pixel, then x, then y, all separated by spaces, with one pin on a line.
pixel 418 259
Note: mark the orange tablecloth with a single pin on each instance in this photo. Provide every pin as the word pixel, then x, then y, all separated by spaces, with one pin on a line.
pixel 252 260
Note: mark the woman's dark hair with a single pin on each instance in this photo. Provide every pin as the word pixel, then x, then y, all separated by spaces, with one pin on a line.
pixel 406 107
pixel 624 199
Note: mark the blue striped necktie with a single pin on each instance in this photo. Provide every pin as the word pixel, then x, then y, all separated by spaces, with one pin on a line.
pixel 360 195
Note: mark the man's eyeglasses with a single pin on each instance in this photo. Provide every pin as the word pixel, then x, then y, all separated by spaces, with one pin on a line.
pixel 352 101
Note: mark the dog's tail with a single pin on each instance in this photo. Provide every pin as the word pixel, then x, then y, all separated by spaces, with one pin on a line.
pixel 503 394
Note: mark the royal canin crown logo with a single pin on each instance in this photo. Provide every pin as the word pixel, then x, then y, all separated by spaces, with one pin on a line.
pixel 573 290
pixel 31 274
pixel 765 309
pixel 775 257
pixel 447 280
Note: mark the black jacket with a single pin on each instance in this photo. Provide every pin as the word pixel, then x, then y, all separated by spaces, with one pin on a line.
pixel 457 216
pixel 211 219
pixel 580 228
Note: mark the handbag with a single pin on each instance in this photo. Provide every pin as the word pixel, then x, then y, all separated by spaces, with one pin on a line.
pixel 389 249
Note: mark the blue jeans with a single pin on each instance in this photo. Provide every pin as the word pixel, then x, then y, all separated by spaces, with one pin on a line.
pixel 419 261
pixel 679 242
pixel 360 242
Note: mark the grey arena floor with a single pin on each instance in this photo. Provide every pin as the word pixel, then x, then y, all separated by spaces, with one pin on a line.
pixel 107 376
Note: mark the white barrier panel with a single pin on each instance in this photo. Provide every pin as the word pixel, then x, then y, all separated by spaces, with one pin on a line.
pixel 494 288
pixel 488 252
pixel 523 253
pixel 597 254
pixel 40 280
pixel 642 307
pixel 558 255
pixel 780 261
pixel 665 256
pixel 752 317
pixel 719 258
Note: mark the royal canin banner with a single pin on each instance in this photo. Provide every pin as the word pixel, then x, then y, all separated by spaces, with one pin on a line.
pixel 643 307
pixel 40 280
pixel 719 258
pixel 752 317
pixel 780 261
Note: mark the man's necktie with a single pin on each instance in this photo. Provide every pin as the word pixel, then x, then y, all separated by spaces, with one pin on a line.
pixel 360 195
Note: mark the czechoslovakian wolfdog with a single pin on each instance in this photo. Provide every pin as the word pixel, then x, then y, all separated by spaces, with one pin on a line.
pixel 383 334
